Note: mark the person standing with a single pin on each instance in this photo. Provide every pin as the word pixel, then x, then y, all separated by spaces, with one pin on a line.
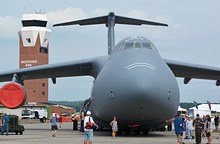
pixel 114 125
pixel 216 120
pixel 54 127
pixel 82 123
pixel 184 129
pixel 208 129
pixel 178 124
pixel 5 124
pixel 203 126
pixel 88 128
pixel 189 127
pixel 75 122
pixel 60 120
pixel 197 123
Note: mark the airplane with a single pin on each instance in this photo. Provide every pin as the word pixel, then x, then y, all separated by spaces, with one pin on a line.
pixel 133 82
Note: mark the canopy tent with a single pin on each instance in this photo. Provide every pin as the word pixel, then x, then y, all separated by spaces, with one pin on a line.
pixel 181 109
pixel 214 107
pixel 203 109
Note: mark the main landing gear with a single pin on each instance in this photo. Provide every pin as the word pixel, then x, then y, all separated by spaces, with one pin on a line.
pixel 131 131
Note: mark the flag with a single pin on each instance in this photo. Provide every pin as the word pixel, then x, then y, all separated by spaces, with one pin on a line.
pixel 196 104
pixel 209 104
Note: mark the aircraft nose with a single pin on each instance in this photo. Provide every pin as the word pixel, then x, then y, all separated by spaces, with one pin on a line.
pixel 147 91
pixel 137 91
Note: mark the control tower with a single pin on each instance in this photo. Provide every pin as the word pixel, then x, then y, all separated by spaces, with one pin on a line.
pixel 34 49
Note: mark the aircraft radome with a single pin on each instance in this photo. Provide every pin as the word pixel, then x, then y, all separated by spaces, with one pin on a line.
pixel 133 82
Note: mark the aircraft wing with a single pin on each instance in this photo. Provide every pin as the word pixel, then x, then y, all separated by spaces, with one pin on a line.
pixel 188 70
pixel 64 69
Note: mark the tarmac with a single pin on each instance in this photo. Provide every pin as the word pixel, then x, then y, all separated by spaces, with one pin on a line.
pixel 41 133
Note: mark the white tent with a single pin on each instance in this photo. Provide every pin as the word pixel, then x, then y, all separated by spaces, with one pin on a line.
pixel 181 109
pixel 203 109
pixel 193 112
pixel 214 107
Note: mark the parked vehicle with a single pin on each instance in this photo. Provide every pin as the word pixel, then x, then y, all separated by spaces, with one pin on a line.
pixel 14 127
pixel 34 114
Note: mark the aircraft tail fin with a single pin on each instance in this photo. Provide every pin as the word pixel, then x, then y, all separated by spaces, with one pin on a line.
pixel 105 20
pixel 110 20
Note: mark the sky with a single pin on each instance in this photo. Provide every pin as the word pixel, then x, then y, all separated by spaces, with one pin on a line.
pixel 193 36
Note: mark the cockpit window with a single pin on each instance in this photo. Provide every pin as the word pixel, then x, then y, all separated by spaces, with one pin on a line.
pixel 128 45
pixel 146 45
pixel 134 43
pixel 138 45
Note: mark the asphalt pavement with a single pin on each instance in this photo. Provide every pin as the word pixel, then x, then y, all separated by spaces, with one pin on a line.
pixel 41 133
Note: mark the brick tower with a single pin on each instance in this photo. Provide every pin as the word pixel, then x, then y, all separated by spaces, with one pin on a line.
pixel 34 49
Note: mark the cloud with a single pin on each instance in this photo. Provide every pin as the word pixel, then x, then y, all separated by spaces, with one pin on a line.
pixel 137 14
pixel 65 15
pixel 9 26
pixel 100 12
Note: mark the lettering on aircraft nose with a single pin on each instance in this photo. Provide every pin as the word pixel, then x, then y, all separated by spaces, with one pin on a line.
pixel 169 94
pixel 135 65
pixel 111 95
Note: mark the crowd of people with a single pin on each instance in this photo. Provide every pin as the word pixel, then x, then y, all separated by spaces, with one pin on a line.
pixel 184 127
pixel 87 125
pixel 202 127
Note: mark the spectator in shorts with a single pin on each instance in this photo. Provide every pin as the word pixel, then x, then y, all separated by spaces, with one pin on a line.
pixel 88 130
pixel 54 128
pixel 178 124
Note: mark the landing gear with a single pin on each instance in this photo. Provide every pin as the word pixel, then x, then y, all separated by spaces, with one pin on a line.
pixel 169 127
pixel 132 131
pixel 145 132
pixel 162 129
pixel 127 131
pixel 119 132
pixel 137 131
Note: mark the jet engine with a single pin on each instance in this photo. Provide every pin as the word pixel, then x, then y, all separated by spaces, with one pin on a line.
pixel 12 95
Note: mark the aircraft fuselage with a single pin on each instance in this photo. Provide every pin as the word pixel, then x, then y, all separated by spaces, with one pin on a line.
pixel 137 87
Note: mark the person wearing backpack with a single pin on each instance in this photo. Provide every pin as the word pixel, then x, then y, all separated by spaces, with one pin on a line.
pixel 88 128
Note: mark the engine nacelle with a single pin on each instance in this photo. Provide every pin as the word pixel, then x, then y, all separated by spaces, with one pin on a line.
pixel 12 95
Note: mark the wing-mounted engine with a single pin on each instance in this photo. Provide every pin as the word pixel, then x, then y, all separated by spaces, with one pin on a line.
pixel 12 94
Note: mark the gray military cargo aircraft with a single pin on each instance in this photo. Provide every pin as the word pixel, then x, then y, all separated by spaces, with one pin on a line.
pixel 133 82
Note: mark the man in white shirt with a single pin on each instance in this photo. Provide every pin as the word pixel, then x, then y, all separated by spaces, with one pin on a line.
pixel 189 127
pixel 88 131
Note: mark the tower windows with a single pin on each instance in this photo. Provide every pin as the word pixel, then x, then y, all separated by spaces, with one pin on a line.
pixel 28 40
pixel 39 23
pixel 43 50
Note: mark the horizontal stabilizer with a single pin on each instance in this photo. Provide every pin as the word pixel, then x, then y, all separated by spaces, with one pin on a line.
pixel 91 21
pixel 131 21
pixel 104 20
